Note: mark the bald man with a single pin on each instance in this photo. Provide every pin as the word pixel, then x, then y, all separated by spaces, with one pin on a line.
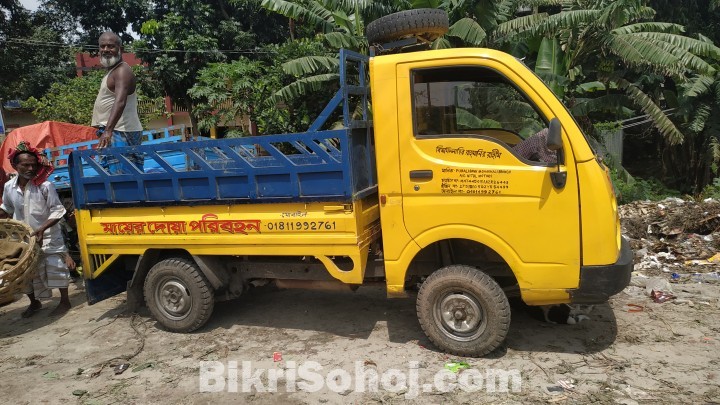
pixel 115 112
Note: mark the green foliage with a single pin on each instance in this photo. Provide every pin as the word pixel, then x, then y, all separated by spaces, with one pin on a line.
pixel 595 55
pixel 697 16
pixel 311 12
pixel 28 63
pixel 600 57
pixel 188 32
pixel 227 93
pixel 287 63
pixel 629 189
pixel 694 164
pixel 95 17
pixel 611 126
pixel 180 38
pixel 312 64
pixel 426 3
pixel 697 100
pixel 466 120
pixel 712 190
pixel 551 66
pixel 230 92
pixel 468 31
pixel 70 101
pixel 335 24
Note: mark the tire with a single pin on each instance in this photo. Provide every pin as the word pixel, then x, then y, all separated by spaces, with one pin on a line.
pixel 463 311
pixel 428 23
pixel 178 295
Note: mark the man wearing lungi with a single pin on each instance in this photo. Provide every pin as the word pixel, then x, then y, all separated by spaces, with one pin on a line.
pixel 30 198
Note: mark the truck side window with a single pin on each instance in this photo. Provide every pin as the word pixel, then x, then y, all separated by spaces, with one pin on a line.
pixel 469 100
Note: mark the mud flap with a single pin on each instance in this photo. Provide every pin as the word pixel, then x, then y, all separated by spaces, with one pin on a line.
pixel 110 283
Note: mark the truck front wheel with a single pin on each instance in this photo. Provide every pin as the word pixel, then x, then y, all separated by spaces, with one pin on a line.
pixel 463 311
pixel 178 295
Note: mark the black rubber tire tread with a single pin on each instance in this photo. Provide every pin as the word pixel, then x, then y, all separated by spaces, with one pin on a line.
pixel 487 293
pixel 199 288
pixel 428 23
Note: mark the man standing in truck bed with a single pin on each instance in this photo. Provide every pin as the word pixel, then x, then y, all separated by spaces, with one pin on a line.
pixel 115 111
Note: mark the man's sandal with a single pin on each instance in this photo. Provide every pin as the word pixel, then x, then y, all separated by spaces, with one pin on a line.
pixel 30 311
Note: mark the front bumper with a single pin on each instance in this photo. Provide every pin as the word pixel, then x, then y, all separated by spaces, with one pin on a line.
pixel 599 283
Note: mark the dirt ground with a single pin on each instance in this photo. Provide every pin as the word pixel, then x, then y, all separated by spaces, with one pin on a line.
pixel 630 351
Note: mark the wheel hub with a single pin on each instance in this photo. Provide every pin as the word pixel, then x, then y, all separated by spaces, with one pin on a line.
pixel 173 299
pixel 460 314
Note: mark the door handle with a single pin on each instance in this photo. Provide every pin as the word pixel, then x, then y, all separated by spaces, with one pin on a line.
pixel 421 175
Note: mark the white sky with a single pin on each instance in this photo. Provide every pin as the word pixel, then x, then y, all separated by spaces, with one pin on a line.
pixel 31 5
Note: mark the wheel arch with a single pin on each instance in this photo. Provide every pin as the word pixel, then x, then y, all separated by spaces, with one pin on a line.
pixel 481 238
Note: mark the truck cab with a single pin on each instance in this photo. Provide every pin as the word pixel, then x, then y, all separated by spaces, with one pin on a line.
pixel 448 124
pixel 469 212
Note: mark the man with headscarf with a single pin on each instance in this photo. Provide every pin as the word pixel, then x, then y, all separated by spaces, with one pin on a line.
pixel 115 112
pixel 30 198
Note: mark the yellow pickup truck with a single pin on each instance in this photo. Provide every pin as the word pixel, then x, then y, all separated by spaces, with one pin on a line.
pixel 430 186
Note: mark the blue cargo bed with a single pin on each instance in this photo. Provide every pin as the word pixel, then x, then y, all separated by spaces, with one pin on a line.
pixel 316 165
pixel 324 165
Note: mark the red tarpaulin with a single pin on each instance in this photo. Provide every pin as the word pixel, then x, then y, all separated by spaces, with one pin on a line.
pixel 48 134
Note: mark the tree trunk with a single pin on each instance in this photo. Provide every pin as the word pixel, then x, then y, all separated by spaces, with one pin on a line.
pixel 687 167
pixel 223 10
pixel 193 119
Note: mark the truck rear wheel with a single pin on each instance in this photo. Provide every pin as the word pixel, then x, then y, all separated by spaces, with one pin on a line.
pixel 178 295
pixel 427 23
pixel 463 311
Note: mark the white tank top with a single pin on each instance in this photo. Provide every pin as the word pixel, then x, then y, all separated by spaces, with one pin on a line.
pixel 129 120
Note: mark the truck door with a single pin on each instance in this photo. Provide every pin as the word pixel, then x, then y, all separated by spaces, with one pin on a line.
pixel 460 122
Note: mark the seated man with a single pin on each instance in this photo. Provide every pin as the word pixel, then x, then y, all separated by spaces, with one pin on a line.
pixel 535 148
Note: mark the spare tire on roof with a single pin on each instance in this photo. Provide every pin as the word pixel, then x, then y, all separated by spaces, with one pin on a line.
pixel 426 23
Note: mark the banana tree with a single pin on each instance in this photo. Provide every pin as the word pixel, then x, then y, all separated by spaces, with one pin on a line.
pixel 694 164
pixel 615 43
pixel 337 24
pixel 488 23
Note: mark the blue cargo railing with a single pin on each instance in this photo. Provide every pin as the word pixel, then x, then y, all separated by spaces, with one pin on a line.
pixel 59 156
pixel 359 62
pixel 317 165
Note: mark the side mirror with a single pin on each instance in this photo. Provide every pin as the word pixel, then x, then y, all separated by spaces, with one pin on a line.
pixel 554 139
pixel 554 142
